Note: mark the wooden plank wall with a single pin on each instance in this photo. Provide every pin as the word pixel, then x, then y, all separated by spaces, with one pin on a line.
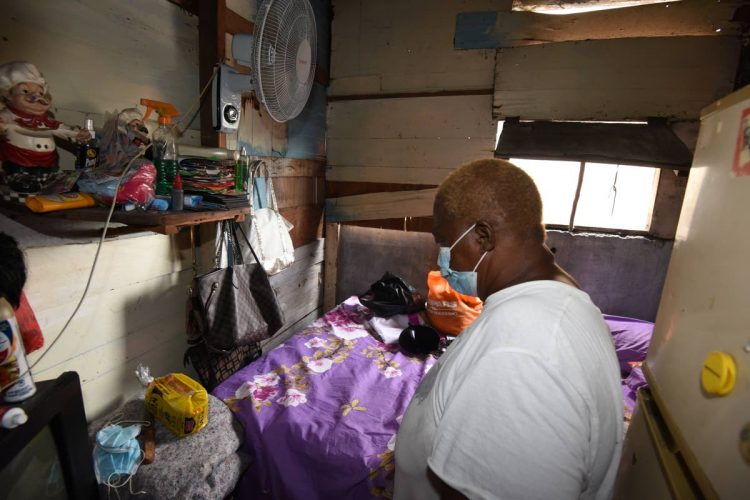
pixel 103 55
pixel 98 56
pixel 295 152
pixel 615 80
pixel 405 108
pixel 497 29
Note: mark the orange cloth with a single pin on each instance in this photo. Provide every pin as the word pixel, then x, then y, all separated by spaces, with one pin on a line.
pixel 449 312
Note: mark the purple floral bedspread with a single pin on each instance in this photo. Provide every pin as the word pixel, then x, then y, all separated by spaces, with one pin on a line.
pixel 322 410
pixel 632 338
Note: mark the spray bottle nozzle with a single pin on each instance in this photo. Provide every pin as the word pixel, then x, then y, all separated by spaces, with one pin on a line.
pixel 165 110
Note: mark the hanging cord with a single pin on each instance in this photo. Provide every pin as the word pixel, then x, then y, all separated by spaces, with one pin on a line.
pixel 103 236
pixel 179 127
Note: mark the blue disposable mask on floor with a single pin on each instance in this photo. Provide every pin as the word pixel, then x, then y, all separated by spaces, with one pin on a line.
pixel 464 282
pixel 117 452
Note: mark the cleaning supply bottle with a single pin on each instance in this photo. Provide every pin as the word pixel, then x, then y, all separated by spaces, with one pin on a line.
pixel 177 193
pixel 240 172
pixel 87 155
pixel 12 416
pixel 15 376
pixel 164 144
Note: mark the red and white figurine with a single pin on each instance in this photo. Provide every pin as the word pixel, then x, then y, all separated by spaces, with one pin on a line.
pixel 27 129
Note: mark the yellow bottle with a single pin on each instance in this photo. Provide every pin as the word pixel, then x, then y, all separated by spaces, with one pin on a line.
pixel 51 202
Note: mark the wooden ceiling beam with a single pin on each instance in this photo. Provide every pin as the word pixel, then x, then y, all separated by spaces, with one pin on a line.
pixel 484 30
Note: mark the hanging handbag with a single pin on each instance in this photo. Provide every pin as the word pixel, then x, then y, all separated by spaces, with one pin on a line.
pixel 234 306
pixel 269 231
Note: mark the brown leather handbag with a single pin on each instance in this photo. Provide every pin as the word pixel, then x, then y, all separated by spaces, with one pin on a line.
pixel 233 306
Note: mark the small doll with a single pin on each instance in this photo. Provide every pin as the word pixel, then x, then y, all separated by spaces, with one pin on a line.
pixel 27 129
pixel 123 137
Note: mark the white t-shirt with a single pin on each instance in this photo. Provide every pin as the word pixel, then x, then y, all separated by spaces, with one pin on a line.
pixel 526 403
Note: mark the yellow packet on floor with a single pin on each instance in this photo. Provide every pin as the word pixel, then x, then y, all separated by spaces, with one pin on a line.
pixel 178 402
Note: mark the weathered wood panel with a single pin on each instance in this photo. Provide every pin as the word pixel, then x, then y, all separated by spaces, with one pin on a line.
pixel 98 56
pixel 383 137
pixel 109 388
pixel 292 167
pixel 447 117
pixel 380 206
pixel 492 29
pixel 299 191
pixel 395 46
pixel 415 152
pixel 653 144
pixel 612 80
pixel 365 254
pixel 132 312
pixel 411 175
pixel 667 204
pixel 308 223
pixel 331 265
pixel 339 189
pixel 259 134
pixel 135 319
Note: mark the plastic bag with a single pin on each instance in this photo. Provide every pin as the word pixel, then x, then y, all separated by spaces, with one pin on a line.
pixel 179 403
pixel 392 295
pixel 137 187
pixel 449 312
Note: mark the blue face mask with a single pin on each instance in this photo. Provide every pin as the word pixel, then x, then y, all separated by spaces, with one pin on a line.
pixel 116 453
pixel 464 282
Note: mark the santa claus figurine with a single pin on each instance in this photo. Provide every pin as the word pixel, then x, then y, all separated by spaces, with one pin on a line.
pixel 27 130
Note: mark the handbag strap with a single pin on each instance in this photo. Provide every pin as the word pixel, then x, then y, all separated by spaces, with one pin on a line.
pixel 260 170
pixel 244 236
pixel 220 247
pixel 254 173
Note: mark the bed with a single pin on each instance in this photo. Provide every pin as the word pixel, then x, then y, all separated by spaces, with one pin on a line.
pixel 322 410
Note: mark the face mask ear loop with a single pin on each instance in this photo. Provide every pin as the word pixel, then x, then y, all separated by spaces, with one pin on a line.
pixel 142 423
pixel 462 236
pixel 480 261
pixel 129 481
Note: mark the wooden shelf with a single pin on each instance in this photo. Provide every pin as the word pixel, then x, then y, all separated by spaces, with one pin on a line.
pixel 158 222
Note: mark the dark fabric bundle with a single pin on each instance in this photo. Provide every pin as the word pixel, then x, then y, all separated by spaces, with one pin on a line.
pixel 391 295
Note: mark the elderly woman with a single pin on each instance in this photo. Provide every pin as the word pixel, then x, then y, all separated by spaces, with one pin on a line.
pixel 526 403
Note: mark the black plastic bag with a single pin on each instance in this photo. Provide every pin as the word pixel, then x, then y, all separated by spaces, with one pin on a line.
pixel 391 295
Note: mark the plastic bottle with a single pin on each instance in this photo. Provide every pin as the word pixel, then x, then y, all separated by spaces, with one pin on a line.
pixel 159 204
pixel 240 173
pixel 14 369
pixel 87 155
pixel 177 193
pixel 164 146
pixel 51 202
pixel 12 416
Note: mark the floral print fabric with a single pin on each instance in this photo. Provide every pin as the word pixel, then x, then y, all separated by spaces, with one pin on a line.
pixel 325 404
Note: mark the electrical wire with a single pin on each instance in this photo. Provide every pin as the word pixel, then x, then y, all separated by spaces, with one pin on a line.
pixel 96 256
pixel 179 132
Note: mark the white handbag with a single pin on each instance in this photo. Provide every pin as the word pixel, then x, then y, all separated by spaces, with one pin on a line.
pixel 269 230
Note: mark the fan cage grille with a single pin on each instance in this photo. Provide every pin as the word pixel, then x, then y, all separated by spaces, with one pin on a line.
pixel 280 29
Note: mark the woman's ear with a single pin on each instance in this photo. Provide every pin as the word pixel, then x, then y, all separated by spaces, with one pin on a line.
pixel 486 235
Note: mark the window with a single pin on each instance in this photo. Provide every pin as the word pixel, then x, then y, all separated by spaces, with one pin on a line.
pixel 610 196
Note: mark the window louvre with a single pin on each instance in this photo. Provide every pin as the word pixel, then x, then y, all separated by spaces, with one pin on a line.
pixel 653 144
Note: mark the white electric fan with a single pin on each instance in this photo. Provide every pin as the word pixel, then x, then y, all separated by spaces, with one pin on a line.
pixel 281 54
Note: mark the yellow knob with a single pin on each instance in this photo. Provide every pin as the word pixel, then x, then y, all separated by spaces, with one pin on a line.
pixel 719 373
